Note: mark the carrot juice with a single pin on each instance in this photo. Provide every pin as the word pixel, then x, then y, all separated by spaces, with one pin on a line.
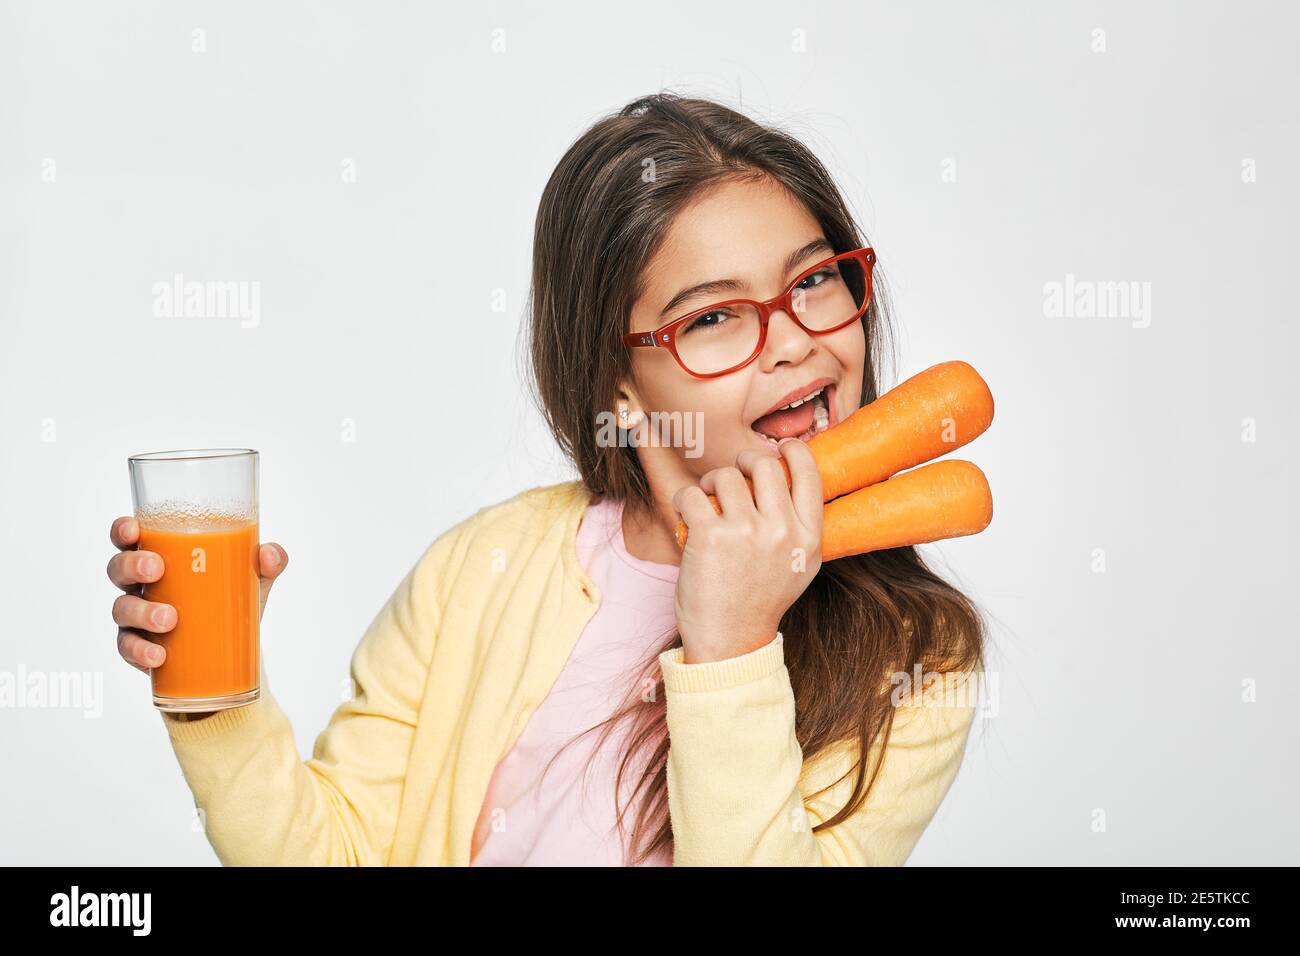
pixel 210 577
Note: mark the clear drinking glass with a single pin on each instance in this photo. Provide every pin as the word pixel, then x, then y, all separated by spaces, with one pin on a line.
pixel 197 509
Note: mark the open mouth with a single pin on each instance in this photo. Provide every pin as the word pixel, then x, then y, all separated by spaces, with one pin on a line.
pixel 802 418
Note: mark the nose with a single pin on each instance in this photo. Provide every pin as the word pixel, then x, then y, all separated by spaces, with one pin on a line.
pixel 786 342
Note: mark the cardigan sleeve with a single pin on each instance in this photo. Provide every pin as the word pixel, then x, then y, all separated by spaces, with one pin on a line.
pixel 741 794
pixel 261 805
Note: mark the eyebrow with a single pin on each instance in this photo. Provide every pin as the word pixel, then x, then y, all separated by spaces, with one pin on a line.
pixel 715 286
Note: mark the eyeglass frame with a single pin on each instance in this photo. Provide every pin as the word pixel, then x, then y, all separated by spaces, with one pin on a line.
pixel 665 337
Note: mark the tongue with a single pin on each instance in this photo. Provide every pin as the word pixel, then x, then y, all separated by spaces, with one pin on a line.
pixel 786 424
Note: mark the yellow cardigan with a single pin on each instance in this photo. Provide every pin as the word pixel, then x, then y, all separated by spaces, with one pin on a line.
pixel 448 673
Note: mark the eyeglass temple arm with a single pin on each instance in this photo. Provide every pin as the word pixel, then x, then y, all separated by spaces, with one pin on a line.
pixel 635 339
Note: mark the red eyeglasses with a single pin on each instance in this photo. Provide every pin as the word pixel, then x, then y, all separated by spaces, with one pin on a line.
pixel 726 336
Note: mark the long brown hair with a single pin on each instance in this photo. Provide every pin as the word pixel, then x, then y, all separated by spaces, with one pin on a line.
pixel 600 221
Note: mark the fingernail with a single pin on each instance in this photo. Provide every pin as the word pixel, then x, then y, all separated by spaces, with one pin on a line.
pixel 272 557
pixel 154 656
pixel 160 616
pixel 147 567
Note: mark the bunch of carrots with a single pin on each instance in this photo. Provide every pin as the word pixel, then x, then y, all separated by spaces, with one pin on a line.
pixel 870 506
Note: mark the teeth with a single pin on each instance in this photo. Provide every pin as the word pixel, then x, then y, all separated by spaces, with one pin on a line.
pixel 821 419
pixel 799 401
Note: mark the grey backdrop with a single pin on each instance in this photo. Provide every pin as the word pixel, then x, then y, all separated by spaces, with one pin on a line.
pixel 375 169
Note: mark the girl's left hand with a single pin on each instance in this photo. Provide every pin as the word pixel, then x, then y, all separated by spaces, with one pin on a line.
pixel 742 569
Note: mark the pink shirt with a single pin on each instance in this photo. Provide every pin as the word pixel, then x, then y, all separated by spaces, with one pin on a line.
pixel 568 819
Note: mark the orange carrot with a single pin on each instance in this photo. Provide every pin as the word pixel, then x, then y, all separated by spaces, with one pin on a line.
pixel 931 413
pixel 944 499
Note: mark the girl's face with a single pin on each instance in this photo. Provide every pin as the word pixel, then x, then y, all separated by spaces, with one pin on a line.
pixel 746 231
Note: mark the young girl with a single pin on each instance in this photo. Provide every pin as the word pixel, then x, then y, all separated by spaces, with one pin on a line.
pixel 555 681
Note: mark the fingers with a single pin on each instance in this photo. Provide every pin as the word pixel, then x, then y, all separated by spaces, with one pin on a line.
pixel 692 503
pixel 140 653
pixel 126 569
pixel 771 493
pixel 132 611
pixel 728 485
pixel 125 532
pixel 271 562
pixel 131 566
pixel 805 484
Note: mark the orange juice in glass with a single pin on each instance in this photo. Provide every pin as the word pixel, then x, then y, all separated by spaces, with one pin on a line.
pixel 198 511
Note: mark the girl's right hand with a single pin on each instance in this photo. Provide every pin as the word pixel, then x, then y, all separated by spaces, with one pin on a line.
pixel 743 568
pixel 134 616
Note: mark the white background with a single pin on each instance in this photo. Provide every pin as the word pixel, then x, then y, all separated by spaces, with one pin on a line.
pixel 1119 691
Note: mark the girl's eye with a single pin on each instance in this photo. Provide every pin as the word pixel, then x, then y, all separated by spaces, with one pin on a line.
pixel 821 274
pixel 709 320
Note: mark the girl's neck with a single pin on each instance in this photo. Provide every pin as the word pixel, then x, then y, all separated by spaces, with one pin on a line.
pixel 649 535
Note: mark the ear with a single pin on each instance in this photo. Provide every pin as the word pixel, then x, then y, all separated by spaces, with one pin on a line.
pixel 628 410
